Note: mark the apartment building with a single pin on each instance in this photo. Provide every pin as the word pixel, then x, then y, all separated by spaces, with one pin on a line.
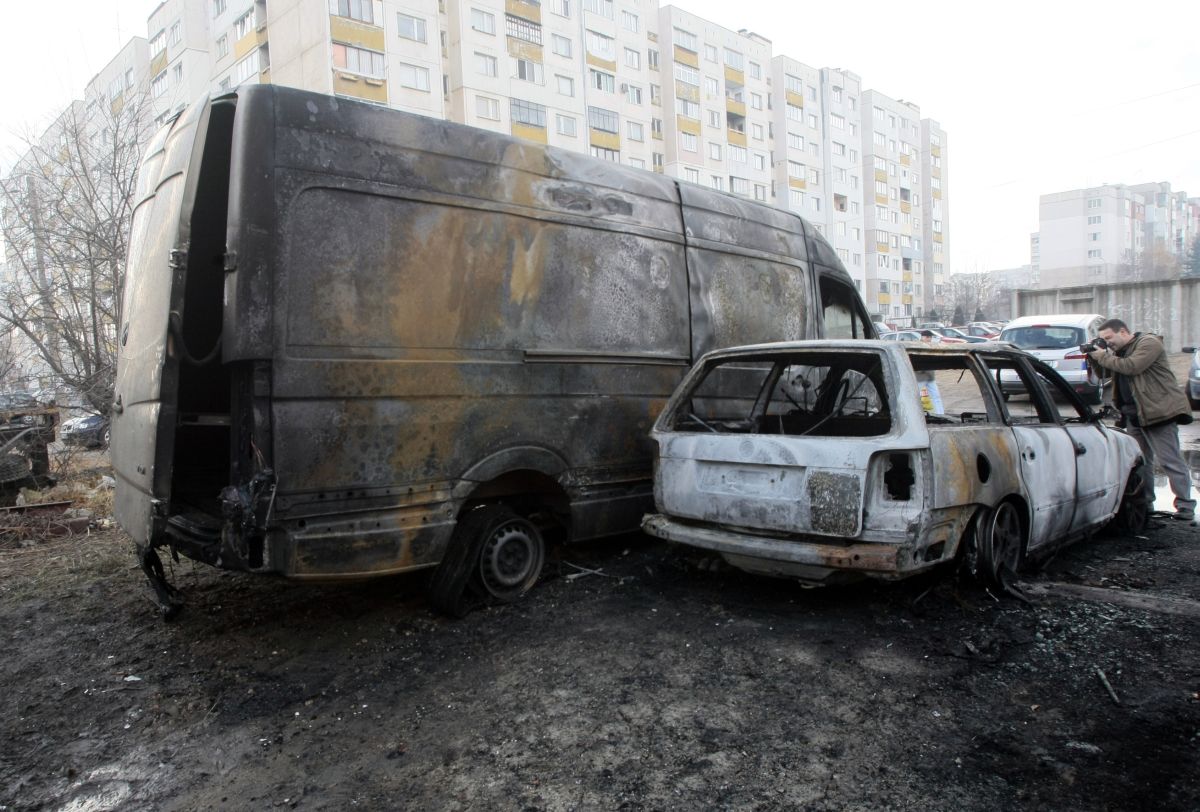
pixel 716 105
pixel 1090 236
pixel 650 86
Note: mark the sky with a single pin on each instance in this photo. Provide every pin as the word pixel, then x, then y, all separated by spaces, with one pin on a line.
pixel 1035 97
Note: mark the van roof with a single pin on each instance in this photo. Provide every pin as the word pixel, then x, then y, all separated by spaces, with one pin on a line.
pixel 1055 320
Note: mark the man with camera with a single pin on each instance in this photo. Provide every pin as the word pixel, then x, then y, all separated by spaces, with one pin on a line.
pixel 1151 403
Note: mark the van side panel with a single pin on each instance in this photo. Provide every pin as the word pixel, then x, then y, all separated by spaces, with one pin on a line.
pixel 750 281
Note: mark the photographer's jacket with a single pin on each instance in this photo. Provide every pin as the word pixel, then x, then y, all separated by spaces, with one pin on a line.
pixel 1143 361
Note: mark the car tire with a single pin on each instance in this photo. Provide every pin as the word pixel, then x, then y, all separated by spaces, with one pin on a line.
pixel 1134 513
pixel 1000 547
pixel 494 556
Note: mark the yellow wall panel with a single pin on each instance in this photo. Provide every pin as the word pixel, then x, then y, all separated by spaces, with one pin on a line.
pixel 352 32
pixel 360 87
pixel 686 57
pixel 529 132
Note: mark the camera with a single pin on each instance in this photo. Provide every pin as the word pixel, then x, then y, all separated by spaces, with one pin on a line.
pixel 1093 345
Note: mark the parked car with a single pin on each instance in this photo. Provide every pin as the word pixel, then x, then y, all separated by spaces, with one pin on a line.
pixel 1193 381
pixel 90 431
pixel 981 329
pixel 956 333
pixel 823 461
pixel 1055 340
pixel 902 335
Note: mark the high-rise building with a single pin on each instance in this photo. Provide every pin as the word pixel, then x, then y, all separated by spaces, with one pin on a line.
pixel 630 81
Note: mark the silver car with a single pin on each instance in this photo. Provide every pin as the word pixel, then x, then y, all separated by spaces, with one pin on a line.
pixel 823 460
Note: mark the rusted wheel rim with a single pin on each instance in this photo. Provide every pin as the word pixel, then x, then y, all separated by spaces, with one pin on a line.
pixel 1006 539
pixel 511 559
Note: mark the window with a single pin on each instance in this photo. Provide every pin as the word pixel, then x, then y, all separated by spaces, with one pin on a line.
pixel 218 7
pixel 1092 237
pixel 837 122
pixel 711 86
pixel 603 120
pixel 603 81
pixel 487 108
pixel 688 109
pixel 530 71
pixel 814 177
pixel 1094 220
pixel 756 132
pixel 482 21
pixel 795 141
pixel 633 94
pixel 602 7
pixel 657 158
pixel 710 53
pixel 410 27
pixel 561 7
pixel 223 46
pixel 158 85
pixel 176 74
pixel 629 21
pixel 755 70
pixel 560 45
pixel 812 120
pixel 176 33
pixel 249 67
pixel 357 60
pixel 635 130
pixel 565 125
pixel 880 139
pixel 795 170
pixel 601 46
pixel 717 182
pixel 687 141
pixel 1094 253
pixel 243 25
pixel 606 154
pixel 686 40
pixel 528 113
pixel 739 186
pixel 714 118
pixel 655 94
pixel 637 163
pixel 796 198
pixel 760 191
pixel 794 113
pixel 158 44
pixel 691 175
pixel 937 226
pixel 734 59
pixel 522 29
pixel 566 85
pixel 714 150
pixel 756 101
pixel 485 64
pixel 760 162
pixel 737 153
pixel 652 58
pixel 414 76
pixel 1094 203
pixel 687 74
pixel 633 59
pixel 839 149
pixel 362 10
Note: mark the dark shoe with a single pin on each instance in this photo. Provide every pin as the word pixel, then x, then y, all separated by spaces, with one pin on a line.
pixel 1184 515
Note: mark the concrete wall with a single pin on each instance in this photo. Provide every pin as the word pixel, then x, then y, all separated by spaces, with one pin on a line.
pixel 1170 308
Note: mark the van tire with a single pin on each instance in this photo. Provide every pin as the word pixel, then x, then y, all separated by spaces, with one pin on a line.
pixel 494 556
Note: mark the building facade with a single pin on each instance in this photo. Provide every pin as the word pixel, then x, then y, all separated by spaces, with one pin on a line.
pixel 630 81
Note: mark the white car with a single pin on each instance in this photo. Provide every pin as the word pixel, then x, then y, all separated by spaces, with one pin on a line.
pixel 1055 340
pixel 821 460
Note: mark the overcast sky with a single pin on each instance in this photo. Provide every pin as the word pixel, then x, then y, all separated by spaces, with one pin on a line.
pixel 1036 97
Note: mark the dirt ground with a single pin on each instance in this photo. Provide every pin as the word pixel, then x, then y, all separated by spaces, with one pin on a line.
pixel 664 683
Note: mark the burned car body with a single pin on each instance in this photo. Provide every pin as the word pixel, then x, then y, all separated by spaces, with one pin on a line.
pixel 824 459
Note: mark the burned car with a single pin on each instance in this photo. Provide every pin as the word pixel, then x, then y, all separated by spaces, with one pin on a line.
pixel 832 460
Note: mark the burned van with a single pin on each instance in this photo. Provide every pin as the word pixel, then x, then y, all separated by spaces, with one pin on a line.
pixel 355 341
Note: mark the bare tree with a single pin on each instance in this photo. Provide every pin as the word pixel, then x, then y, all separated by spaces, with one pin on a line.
pixel 67 206
pixel 971 294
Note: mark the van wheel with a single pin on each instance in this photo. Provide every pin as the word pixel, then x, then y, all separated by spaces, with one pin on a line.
pixel 1001 547
pixel 494 555
pixel 1134 513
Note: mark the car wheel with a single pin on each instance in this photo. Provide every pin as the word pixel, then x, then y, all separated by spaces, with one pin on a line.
pixel 105 438
pixel 1001 546
pixel 1134 513
pixel 494 555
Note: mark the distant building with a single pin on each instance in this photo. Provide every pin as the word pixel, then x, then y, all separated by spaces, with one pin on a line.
pixel 1113 233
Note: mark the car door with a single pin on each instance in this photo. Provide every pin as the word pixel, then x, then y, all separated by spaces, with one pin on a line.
pixel 1045 450
pixel 1097 480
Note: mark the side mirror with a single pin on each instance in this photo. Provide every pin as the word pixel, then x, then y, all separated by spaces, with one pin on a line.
pixel 1189 349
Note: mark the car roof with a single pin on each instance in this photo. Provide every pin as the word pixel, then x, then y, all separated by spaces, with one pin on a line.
pixel 1055 320
pixel 783 347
